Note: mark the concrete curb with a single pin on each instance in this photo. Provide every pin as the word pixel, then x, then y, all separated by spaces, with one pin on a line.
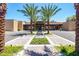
pixel 49 40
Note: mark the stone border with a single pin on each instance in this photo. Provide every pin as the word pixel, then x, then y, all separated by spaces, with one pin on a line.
pixel 49 41
pixel 25 46
pixel 40 45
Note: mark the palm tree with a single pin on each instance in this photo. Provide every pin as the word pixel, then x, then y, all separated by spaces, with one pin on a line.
pixel 30 10
pixel 2 25
pixel 35 21
pixel 48 11
pixel 44 21
pixel 77 28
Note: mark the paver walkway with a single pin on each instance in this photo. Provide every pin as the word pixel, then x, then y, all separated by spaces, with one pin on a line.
pixel 57 40
pixel 12 35
pixel 39 34
pixel 40 50
pixel 20 40
pixel 70 35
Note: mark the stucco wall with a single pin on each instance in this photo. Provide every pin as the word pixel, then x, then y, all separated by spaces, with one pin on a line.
pixel 9 25
pixel 20 25
pixel 69 25
pixel 15 26
pixel 12 25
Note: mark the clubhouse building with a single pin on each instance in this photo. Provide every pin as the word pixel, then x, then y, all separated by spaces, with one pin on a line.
pixel 12 25
pixel 41 26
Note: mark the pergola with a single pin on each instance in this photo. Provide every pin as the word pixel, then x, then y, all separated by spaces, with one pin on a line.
pixel 2 29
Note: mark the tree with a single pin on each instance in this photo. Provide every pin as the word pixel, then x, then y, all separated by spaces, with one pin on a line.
pixel 71 18
pixel 30 10
pixel 77 28
pixel 44 22
pixel 2 25
pixel 48 11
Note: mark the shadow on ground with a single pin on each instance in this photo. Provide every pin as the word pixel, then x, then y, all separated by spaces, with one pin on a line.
pixel 20 34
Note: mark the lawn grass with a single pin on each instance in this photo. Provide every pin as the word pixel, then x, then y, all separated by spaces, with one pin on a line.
pixel 11 50
pixel 68 50
pixel 39 41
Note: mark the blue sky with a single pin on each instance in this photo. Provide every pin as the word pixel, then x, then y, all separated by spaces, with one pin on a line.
pixel 67 10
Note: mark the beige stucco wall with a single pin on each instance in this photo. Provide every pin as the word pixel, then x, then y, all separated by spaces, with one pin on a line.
pixel 69 25
pixel 15 26
pixel 9 25
pixel 12 25
pixel 20 25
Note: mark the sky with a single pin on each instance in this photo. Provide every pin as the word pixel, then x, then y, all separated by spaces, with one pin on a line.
pixel 67 9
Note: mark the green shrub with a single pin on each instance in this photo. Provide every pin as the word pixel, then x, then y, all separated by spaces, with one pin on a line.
pixel 66 50
pixel 11 50
pixel 18 29
pixel 39 41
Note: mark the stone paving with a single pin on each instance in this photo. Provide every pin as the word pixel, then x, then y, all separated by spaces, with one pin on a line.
pixel 44 50
pixel 57 40
pixel 20 40
pixel 70 35
pixel 40 34
pixel 39 50
pixel 9 35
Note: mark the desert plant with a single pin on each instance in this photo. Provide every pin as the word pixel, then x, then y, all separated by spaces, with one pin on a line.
pixel 11 50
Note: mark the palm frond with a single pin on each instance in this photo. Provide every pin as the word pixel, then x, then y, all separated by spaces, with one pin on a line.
pixel 30 10
pixel 49 10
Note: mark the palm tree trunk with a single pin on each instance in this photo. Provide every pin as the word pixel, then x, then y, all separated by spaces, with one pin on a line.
pixel 35 26
pixel 2 31
pixel 48 27
pixel 44 26
pixel 2 25
pixel 31 26
pixel 77 31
